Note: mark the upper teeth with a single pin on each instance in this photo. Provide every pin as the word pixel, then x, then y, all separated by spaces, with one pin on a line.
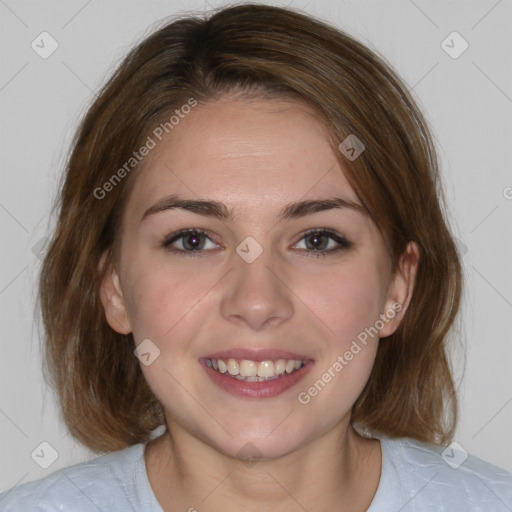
pixel 247 368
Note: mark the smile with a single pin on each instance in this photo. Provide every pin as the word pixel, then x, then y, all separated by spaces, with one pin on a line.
pixel 255 371
pixel 256 374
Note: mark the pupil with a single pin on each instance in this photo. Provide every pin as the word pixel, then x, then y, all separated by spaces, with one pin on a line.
pixel 192 241
pixel 317 240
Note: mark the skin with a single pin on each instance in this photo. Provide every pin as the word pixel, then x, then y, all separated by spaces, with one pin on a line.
pixel 255 156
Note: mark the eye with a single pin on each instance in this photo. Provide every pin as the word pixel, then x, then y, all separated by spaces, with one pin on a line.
pixel 322 242
pixel 189 241
pixel 195 241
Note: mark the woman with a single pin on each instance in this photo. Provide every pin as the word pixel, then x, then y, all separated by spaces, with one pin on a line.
pixel 251 252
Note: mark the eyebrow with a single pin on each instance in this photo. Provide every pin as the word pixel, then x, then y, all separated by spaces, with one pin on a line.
pixel 220 211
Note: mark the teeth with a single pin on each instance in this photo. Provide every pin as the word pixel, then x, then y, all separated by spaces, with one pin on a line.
pixel 265 369
pixel 233 368
pixel 223 368
pixel 249 369
pixel 280 366
pixel 254 371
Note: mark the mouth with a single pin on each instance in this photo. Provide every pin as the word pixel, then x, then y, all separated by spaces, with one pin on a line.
pixel 255 371
pixel 256 374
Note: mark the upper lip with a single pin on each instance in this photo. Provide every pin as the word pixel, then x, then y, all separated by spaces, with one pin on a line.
pixel 264 354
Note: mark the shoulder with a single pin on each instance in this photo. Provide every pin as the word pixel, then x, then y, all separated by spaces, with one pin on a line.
pixel 428 477
pixel 108 482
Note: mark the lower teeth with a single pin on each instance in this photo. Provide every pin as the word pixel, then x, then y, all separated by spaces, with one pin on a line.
pixel 256 378
pixel 253 379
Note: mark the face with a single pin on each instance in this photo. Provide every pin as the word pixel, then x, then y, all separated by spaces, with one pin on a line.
pixel 254 289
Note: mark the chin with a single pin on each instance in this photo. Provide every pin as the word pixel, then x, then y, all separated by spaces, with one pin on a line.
pixel 252 442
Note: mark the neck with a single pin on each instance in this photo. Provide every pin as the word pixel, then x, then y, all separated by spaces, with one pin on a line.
pixel 338 471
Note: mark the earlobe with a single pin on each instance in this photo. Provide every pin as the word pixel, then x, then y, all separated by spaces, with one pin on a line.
pixel 113 302
pixel 400 289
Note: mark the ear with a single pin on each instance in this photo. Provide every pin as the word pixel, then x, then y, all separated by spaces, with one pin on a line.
pixel 113 302
pixel 400 290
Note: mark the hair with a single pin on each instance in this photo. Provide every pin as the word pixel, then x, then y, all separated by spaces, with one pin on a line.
pixel 267 52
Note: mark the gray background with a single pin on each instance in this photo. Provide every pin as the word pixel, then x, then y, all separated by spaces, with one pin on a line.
pixel 468 102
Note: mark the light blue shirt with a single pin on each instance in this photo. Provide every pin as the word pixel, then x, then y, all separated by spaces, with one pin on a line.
pixel 415 478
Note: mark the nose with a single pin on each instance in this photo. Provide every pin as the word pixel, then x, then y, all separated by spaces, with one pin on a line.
pixel 257 293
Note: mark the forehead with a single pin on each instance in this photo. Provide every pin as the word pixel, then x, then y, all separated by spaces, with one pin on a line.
pixel 250 154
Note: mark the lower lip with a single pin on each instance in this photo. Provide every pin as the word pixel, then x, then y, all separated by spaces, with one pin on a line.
pixel 263 389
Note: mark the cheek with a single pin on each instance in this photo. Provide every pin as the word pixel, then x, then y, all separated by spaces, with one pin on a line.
pixel 160 300
pixel 347 300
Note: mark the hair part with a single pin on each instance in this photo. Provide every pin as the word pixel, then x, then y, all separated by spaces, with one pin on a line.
pixel 270 52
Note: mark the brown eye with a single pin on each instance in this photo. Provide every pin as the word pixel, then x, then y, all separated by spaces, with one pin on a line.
pixel 324 242
pixel 189 241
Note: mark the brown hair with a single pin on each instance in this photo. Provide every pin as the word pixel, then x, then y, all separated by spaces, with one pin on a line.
pixel 250 49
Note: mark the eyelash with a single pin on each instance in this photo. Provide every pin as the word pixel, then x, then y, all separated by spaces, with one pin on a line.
pixel 344 244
